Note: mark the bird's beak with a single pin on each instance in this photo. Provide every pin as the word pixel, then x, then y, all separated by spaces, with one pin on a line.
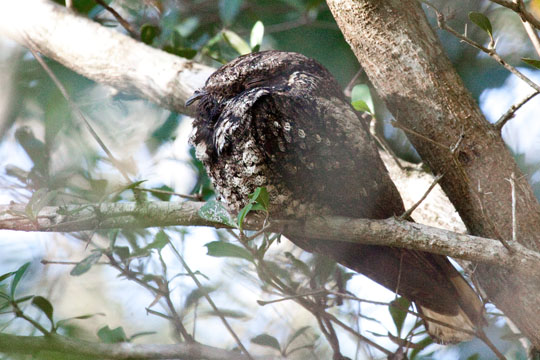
pixel 196 96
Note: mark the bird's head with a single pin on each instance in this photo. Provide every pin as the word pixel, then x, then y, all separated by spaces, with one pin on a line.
pixel 232 90
pixel 261 69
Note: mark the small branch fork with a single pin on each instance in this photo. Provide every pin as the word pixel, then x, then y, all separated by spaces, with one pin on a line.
pixel 409 211
pixel 519 8
pixel 315 306
pixel 528 19
pixel 499 124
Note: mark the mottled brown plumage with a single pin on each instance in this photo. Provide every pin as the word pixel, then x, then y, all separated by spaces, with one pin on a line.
pixel 280 120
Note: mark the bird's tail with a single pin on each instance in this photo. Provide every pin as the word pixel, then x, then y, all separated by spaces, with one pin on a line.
pixel 462 326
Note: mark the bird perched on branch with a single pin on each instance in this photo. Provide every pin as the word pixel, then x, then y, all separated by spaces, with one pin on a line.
pixel 279 119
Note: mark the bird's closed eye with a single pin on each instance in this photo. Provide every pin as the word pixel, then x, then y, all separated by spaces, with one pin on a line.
pixel 254 82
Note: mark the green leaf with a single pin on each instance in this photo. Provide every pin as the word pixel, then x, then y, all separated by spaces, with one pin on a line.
pixel 299 264
pixel 80 317
pixel 361 98
pixel 242 215
pixel 532 62
pixel 133 185
pixel 297 333
pixel 40 198
pixel 224 249
pixel 482 22
pixel 228 313
pixel 149 32
pixel 45 306
pixel 228 10
pixel 258 200
pixel 215 211
pixel 163 196
pixel 18 275
pixel 184 52
pixel 23 299
pixel 187 26
pixel 257 35
pixel 85 264
pixel 112 336
pixel 261 196
pixel 122 252
pixel 360 105
pixel 139 334
pixel 420 345
pixel 236 42
pixel 474 356
pixel 6 275
pixel 266 340
pixel 112 235
pixel 196 295
pixel 398 309
pixel 160 241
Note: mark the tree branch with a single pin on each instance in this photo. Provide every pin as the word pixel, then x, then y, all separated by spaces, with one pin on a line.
pixel 389 232
pixel 102 54
pixel 406 64
pixel 60 344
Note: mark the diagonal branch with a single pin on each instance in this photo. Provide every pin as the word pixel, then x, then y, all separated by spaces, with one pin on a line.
pixel 389 232
pixel 102 54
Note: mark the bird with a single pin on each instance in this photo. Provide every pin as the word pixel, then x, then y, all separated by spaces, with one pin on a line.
pixel 280 120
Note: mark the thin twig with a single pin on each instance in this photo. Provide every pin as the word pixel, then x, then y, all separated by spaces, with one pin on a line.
pixel 410 131
pixel 58 262
pixel 355 333
pixel 292 297
pixel 172 193
pixel 408 213
pixel 512 182
pixel 499 124
pixel 348 89
pixel 482 336
pixel 489 51
pixel 78 111
pixel 125 24
pixel 161 291
pixel 157 313
pixel 210 301
pixel 20 314
pixel 302 300
pixel 533 35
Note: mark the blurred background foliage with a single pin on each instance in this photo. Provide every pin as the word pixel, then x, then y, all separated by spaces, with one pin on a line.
pixel 44 146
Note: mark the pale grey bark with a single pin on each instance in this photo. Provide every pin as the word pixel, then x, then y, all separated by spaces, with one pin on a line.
pixel 388 232
pixel 102 54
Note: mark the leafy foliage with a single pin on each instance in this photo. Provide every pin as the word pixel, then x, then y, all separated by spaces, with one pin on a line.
pixel 61 166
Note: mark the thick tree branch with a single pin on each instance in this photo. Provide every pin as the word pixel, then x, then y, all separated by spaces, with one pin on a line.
pixel 73 347
pixel 404 60
pixel 388 232
pixel 102 54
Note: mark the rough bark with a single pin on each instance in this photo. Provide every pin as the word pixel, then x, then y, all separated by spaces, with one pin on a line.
pixel 405 62
pixel 389 232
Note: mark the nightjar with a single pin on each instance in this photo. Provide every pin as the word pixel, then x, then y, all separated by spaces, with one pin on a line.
pixel 279 119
